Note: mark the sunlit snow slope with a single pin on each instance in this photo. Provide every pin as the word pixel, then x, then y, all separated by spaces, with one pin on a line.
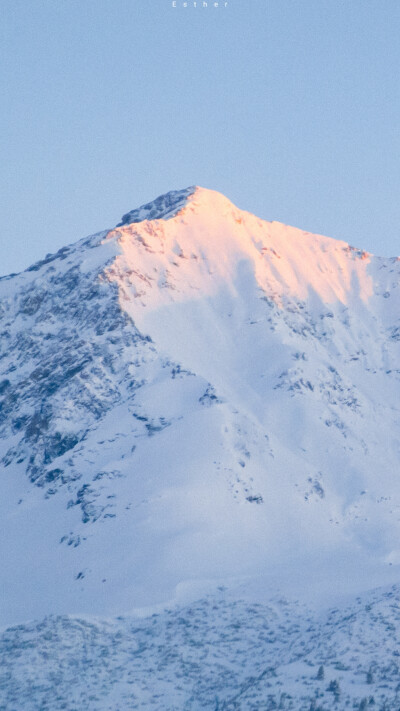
pixel 197 396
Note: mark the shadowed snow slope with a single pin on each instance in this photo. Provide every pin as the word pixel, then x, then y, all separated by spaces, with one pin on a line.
pixel 194 397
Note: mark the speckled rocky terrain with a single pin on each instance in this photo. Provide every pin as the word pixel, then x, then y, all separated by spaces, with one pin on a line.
pixel 195 398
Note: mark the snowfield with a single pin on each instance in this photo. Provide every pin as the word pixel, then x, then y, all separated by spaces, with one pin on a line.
pixel 199 417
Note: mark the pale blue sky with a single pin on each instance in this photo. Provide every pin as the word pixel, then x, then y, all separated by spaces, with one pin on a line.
pixel 289 107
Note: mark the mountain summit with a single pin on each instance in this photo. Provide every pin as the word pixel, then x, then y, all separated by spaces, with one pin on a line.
pixel 197 397
pixel 163 207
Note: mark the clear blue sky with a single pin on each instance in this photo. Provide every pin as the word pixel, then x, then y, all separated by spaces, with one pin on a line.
pixel 289 107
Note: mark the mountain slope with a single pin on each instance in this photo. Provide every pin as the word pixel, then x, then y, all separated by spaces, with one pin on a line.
pixel 217 653
pixel 197 396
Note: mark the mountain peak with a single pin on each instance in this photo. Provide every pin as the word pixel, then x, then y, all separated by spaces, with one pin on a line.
pixel 162 208
pixel 122 354
pixel 170 204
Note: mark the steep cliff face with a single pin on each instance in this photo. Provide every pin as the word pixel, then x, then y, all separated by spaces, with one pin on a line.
pixel 197 395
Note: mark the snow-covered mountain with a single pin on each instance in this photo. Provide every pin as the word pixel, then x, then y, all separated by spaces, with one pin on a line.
pixel 197 398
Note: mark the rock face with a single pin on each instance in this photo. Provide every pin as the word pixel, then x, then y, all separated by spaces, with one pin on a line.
pixel 162 208
pixel 192 397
